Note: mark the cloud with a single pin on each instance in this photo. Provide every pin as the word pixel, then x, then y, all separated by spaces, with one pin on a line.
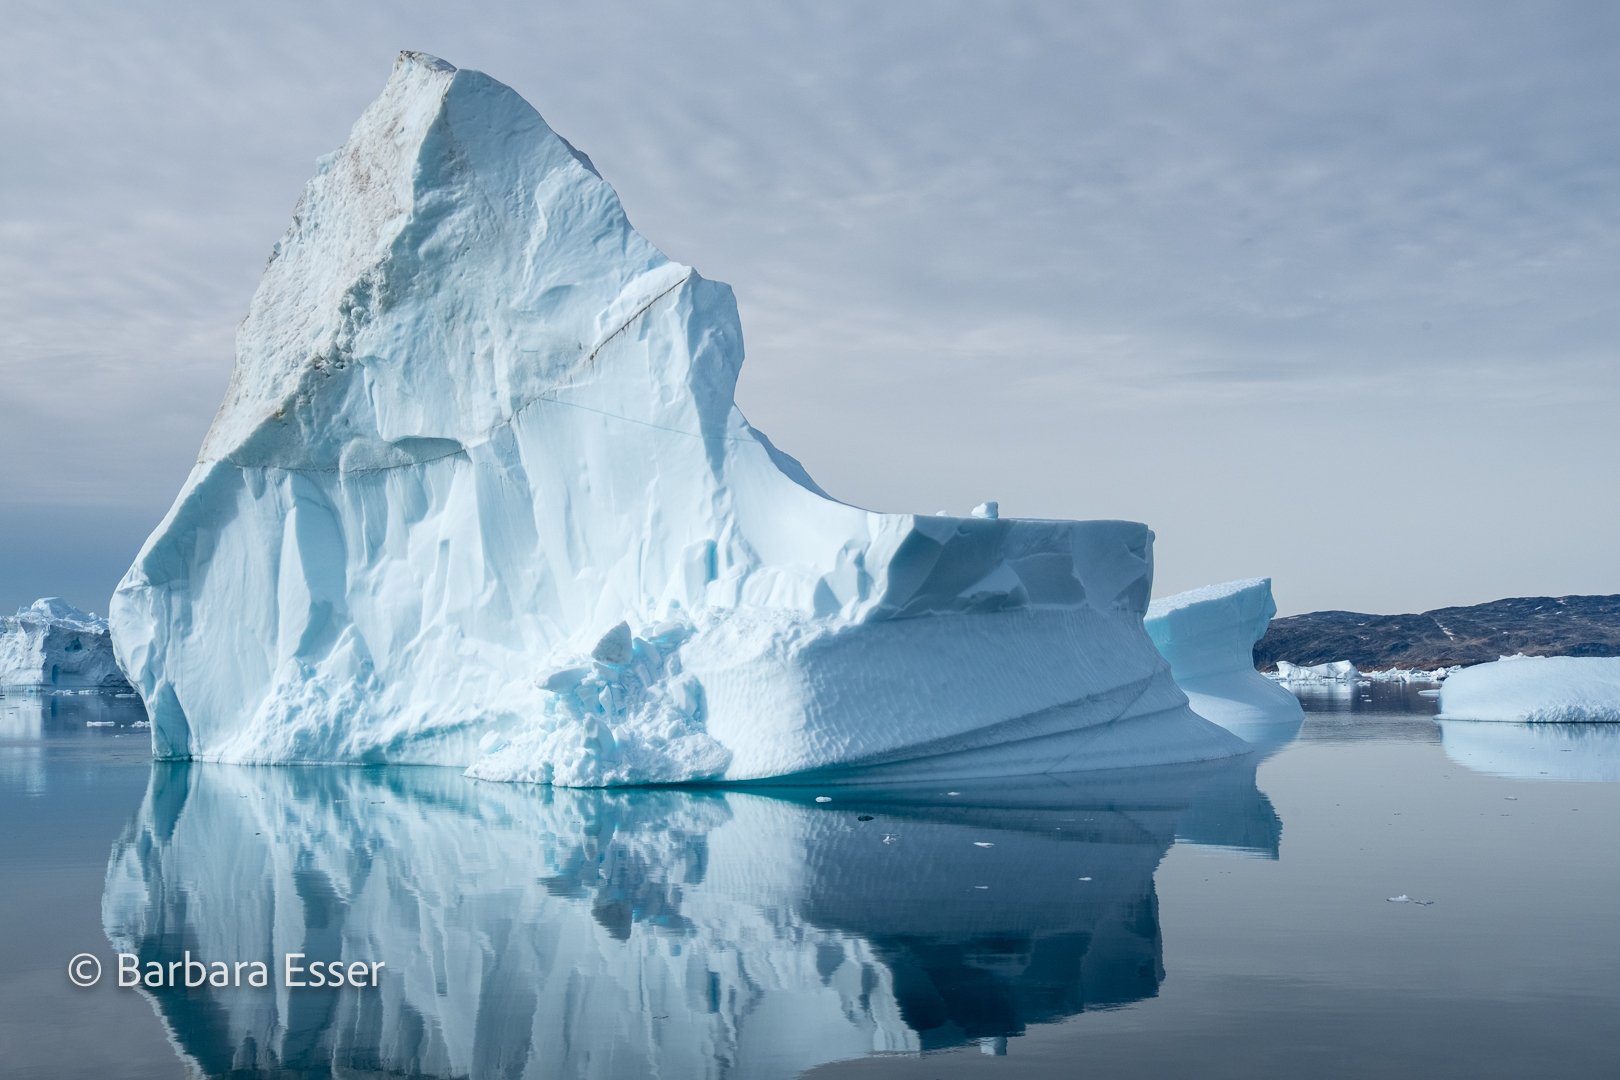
pixel 970 242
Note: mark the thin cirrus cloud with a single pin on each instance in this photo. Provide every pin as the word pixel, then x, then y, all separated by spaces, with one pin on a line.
pixel 1321 291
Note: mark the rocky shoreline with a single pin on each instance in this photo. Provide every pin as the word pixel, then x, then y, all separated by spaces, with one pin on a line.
pixel 1444 637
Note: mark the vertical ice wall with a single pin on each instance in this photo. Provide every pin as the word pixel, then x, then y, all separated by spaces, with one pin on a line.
pixel 479 495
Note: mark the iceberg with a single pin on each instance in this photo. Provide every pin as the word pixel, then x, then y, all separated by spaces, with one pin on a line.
pixel 1208 637
pixel 52 645
pixel 1341 671
pixel 532 931
pixel 479 495
pixel 1535 689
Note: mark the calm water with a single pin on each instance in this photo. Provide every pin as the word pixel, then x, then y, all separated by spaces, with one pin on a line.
pixel 1212 921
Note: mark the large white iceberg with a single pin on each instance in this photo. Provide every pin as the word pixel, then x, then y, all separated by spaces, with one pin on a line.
pixel 1535 689
pixel 52 645
pixel 479 495
pixel 1208 636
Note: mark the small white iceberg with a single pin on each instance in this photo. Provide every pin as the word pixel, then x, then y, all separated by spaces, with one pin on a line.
pixel 1338 671
pixel 1536 690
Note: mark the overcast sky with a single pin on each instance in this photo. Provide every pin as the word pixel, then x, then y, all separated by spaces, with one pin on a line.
pixel 1326 292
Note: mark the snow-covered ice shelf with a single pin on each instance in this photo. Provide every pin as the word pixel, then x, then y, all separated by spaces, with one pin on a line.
pixel 479 495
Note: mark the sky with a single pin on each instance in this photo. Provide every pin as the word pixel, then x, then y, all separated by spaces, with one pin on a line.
pixel 1324 292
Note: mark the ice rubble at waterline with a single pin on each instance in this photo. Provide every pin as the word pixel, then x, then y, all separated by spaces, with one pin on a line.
pixel 479 495
pixel 1208 637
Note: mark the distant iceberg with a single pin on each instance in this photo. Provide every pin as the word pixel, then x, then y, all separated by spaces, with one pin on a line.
pixel 479 495
pixel 1535 689
pixel 1208 636
pixel 52 645
pixel 1337 671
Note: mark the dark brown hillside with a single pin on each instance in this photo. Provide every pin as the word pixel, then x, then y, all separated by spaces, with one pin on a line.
pixel 1533 625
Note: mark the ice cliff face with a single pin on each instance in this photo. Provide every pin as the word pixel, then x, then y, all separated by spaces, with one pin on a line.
pixel 479 495
pixel 52 645
pixel 1208 636
pixel 540 932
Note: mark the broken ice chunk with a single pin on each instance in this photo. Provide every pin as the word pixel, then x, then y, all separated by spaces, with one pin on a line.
pixel 614 648
pixel 562 680
pixel 990 510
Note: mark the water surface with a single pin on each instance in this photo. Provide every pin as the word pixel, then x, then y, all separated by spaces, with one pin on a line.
pixel 1223 920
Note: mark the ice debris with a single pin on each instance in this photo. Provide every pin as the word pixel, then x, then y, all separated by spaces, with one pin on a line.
pixel 1346 673
pixel 479 495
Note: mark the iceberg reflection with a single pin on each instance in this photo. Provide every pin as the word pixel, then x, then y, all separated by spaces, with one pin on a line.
pixel 1589 752
pixel 636 932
